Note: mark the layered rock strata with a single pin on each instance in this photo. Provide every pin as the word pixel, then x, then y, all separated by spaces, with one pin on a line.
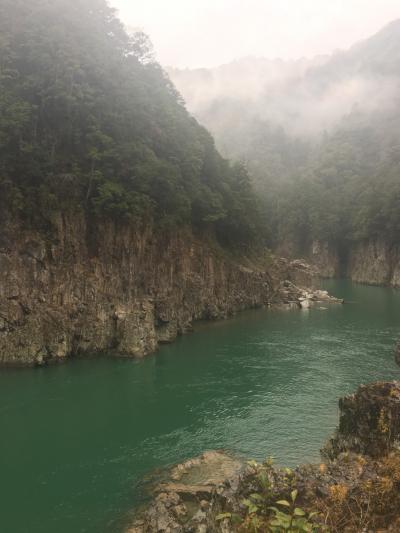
pixel 89 286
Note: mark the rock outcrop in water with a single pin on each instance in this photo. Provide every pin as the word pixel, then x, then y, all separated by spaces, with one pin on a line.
pixel 369 421
pixel 397 354
pixel 295 296
pixel 95 286
pixel 357 488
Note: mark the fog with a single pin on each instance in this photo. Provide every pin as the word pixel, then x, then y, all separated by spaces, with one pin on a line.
pixel 267 58
pixel 208 33
pixel 305 96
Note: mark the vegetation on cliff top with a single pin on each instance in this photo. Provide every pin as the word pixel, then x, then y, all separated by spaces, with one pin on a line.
pixel 88 118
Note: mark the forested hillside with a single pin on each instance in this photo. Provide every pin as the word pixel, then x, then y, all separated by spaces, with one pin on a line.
pixel 320 138
pixel 89 120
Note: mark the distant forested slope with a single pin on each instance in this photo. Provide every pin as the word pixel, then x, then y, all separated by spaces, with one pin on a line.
pixel 320 138
pixel 88 119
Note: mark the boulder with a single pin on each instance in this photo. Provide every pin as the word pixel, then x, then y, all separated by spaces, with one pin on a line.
pixel 397 353
pixel 369 421
pixel 187 499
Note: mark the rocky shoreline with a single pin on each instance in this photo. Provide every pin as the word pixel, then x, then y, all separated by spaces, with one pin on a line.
pixel 305 298
pixel 86 287
pixel 355 489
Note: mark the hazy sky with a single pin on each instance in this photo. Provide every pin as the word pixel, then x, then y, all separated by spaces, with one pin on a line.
pixel 197 33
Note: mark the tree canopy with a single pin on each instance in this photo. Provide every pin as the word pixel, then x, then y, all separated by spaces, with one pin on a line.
pixel 89 119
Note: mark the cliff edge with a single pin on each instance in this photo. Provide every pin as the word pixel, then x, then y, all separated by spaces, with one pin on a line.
pixel 89 286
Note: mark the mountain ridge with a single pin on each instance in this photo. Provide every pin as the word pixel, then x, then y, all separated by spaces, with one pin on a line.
pixel 267 84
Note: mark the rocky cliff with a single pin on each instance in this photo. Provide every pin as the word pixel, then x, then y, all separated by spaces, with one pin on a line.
pixel 369 421
pixel 94 286
pixel 373 262
pixel 325 258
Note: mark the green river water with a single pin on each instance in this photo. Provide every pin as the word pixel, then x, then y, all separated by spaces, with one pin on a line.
pixel 78 438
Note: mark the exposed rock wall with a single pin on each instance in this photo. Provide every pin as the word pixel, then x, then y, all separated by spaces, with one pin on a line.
pixel 374 262
pixel 326 259
pixel 116 288
pixel 321 255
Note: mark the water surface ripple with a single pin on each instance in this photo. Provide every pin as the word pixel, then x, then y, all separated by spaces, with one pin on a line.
pixel 77 439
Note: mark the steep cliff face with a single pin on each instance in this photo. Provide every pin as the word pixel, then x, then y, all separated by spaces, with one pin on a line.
pixel 325 258
pixel 115 288
pixel 375 262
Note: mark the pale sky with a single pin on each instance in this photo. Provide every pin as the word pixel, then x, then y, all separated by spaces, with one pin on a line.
pixel 204 33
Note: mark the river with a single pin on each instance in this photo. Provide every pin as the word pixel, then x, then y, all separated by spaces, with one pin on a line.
pixel 78 438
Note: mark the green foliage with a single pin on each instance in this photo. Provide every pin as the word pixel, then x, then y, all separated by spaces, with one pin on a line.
pixel 80 97
pixel 222 516
pixel 339 187
pixel 293 519
pixel 285 515
pixel 343 189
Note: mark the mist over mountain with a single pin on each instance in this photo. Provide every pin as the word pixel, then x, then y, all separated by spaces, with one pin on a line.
pixel 305 96
pixel 319 137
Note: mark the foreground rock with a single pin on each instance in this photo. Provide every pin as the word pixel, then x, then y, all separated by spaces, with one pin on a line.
pixel 356 489
pixel 369 421
pixel 397 354
pixel 190 499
